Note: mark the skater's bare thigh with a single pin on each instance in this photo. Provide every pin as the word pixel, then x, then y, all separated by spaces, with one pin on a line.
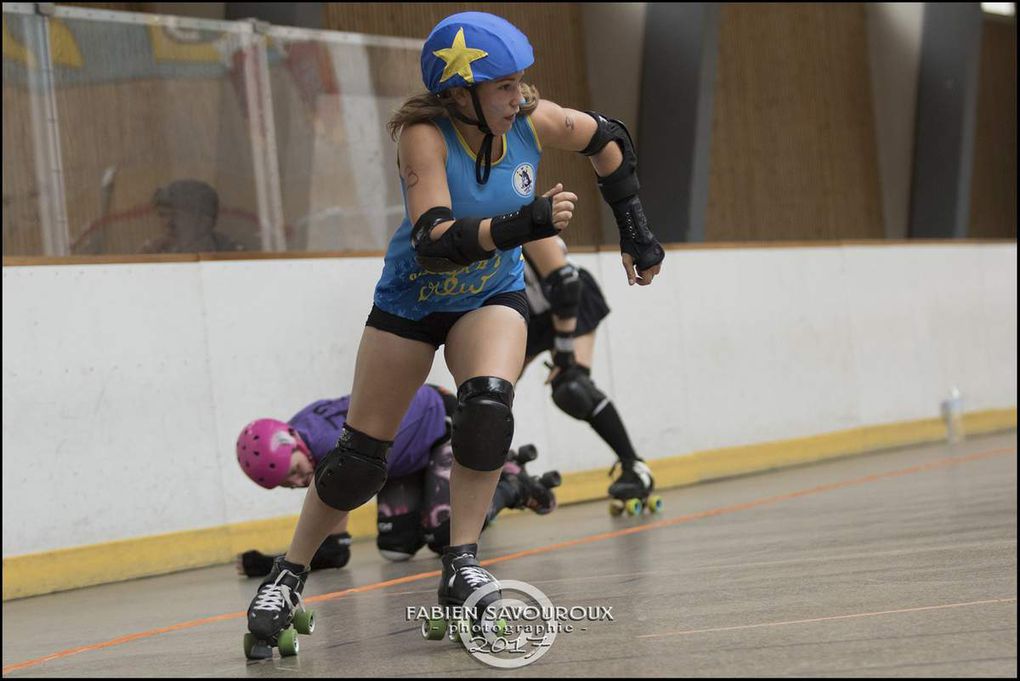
pixel 488 341
pixel 389 371
pixel 584 349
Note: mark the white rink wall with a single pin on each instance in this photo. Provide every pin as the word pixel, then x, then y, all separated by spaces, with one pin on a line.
pixel 125 386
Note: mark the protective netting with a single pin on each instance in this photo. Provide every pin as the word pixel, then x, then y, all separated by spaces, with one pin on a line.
pixel 128 133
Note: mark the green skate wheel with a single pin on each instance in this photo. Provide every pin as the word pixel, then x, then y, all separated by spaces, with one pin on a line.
pixel 461 627
pixel 615 507
pixel 633 506
pixel 433 629
pixel 304 621
pixel 249 643
pixel 655 503
pixel 288 642
pixel 254 650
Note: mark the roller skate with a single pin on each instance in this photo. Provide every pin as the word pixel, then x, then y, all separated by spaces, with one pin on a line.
pixel 278 614
pixel 532 493
pixel 632 491
pixel 461 577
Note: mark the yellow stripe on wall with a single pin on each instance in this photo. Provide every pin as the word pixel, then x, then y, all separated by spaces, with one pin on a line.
pixel 62 569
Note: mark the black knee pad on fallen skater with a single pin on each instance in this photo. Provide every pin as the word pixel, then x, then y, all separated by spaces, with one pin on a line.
pixel 400 536
pixel 439 538
pixel 483 424
pixel 353 472
pixel 576 394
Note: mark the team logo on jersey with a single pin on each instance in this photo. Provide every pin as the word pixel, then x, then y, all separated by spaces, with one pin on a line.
pixel 524 180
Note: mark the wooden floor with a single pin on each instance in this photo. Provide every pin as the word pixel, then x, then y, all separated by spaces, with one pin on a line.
pixel 898 563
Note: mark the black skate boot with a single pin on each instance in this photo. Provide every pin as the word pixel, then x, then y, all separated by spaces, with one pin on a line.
pixel 530 492
pixel 632 491
pixel 461 577
pixel 276 605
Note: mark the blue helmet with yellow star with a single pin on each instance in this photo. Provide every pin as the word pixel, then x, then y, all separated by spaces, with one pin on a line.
pixel 469 48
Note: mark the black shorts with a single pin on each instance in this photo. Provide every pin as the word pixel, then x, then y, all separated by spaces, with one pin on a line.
pixel 433 328
pixel 593 309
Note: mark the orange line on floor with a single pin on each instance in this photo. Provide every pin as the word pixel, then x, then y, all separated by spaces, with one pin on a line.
pixel 934 465
pixel 826 619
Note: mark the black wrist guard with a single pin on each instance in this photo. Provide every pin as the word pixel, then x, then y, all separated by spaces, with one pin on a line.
pixel 334 552
pixel 458 246
pixel 530 222
pixel 635 237
pixel 620 189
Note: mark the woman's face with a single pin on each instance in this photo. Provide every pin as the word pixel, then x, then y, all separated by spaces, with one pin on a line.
pixel 500 100
pixel 301 470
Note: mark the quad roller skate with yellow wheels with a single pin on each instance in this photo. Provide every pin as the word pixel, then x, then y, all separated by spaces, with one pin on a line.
pixel 277 614
pixel 632 492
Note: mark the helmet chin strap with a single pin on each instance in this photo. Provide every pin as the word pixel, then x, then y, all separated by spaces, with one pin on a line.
pixel 485 151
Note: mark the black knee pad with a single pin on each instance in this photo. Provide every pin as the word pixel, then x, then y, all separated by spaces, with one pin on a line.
pixel 439 538
pixel 483 424
pixel 400 536
pixel 353 472
pixel 576 394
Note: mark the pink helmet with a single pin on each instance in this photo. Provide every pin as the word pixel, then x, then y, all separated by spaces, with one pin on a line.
pixel 264 449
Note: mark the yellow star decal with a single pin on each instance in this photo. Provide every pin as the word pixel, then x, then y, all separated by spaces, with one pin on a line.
pixel 458 58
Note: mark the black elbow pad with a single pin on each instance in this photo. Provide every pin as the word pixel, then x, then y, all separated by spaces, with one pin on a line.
pixel 458 246
pixel 622 183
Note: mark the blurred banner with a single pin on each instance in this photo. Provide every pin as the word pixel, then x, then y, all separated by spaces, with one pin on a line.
pixel 137 133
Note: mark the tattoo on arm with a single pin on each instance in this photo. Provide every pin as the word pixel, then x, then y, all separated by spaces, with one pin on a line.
pixel 410 178
pixel 570 123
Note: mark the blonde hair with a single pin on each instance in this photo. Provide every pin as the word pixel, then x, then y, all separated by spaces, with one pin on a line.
pixel 429 106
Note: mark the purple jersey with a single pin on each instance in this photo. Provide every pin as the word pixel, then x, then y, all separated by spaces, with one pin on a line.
pixel 423 425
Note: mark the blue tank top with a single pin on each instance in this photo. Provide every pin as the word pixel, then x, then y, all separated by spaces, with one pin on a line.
pixel 408 291
pixel 423 425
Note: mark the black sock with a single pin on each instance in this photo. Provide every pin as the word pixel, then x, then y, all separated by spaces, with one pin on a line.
pixel 610 428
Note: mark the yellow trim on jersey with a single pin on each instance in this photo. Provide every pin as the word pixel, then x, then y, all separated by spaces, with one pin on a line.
pixel 470 153
pixel 534 131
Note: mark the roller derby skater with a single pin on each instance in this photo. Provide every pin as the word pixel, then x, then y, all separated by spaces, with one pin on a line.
pixel 467 151
pixel 566 307
pixel 413 505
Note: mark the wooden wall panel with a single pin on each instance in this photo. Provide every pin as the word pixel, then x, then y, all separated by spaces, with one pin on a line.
pixel 559 72
pixel 993 187
pixel 793 148
pixel 21 232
